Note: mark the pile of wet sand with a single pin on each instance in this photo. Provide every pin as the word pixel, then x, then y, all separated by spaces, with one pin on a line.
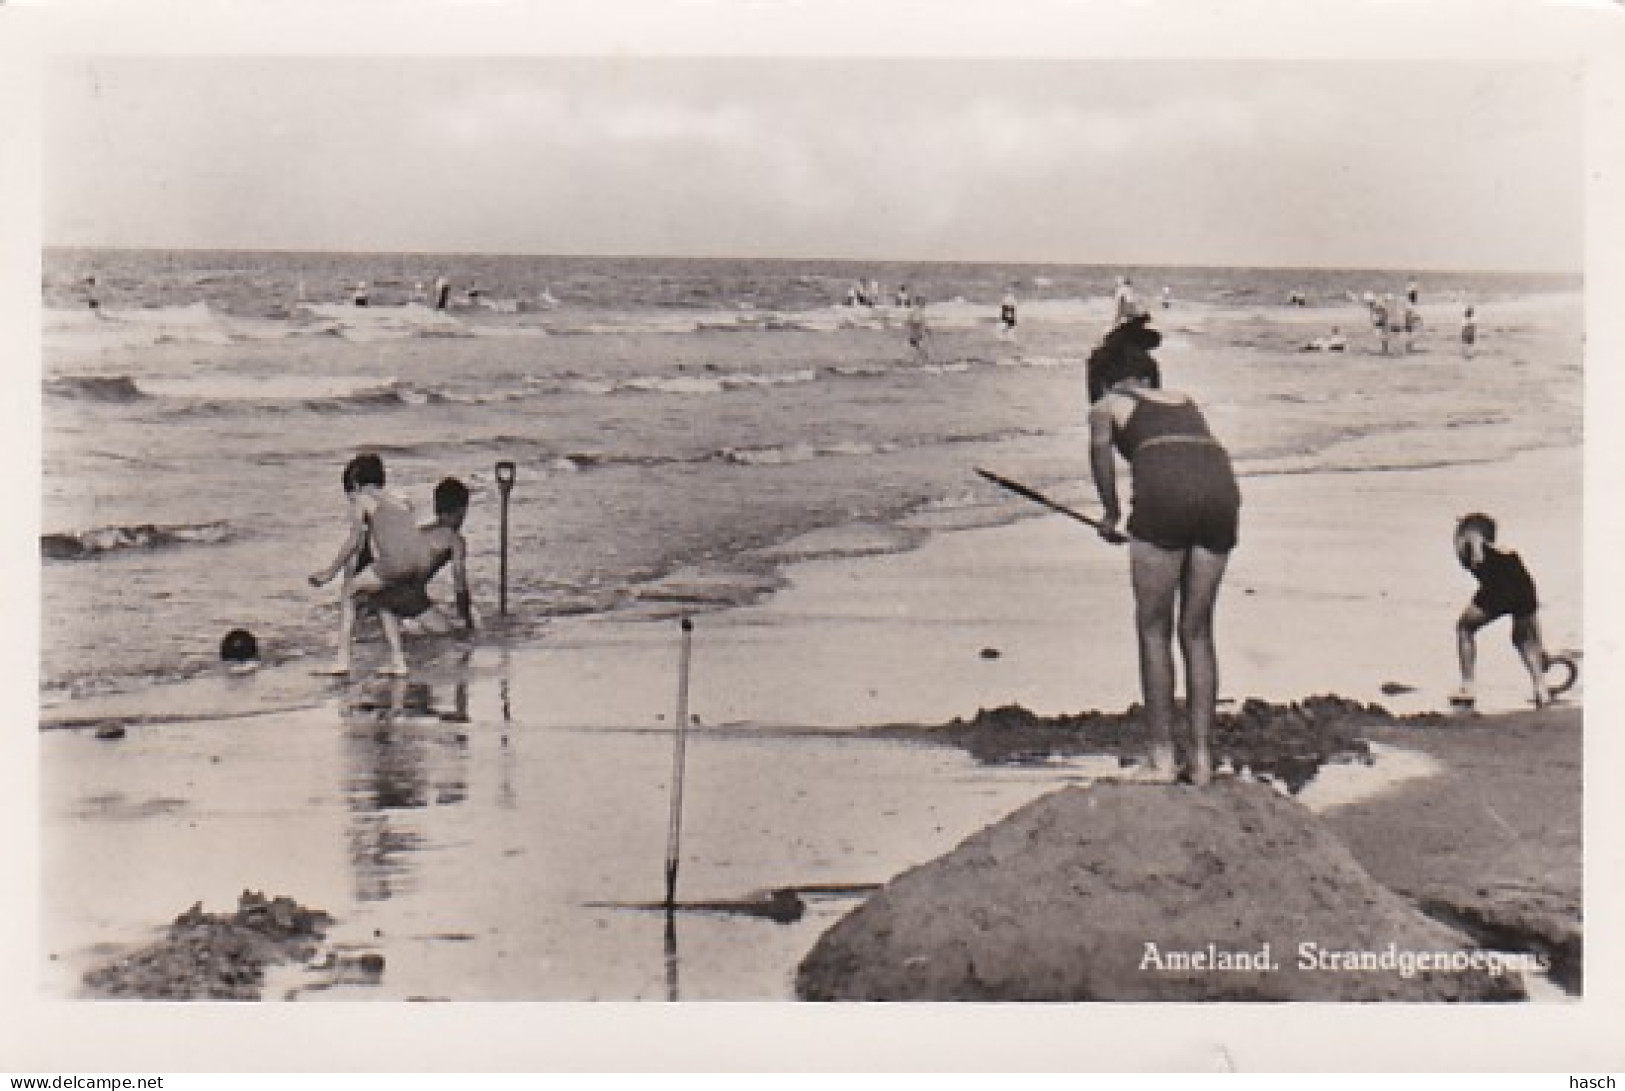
pixel 214 956
pixel 1284 742
pixel 1148 892
pixel 1506 878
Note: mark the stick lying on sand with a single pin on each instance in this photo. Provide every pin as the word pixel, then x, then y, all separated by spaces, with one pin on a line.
pixel 1033 494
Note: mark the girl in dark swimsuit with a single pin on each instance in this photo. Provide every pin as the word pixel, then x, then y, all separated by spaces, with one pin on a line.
pixel 1182 529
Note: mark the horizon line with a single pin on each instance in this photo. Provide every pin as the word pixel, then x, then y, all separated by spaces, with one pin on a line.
pixel 825 260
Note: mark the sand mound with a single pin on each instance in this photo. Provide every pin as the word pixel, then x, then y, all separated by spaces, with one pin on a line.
pixel 1082 894
pixel 214 956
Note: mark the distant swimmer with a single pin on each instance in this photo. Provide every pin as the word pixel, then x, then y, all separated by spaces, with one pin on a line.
pixel 380 525
pixel 902 296
pixel 546 298
pixel 92 300
pixel 1334 342
pixel 1388 319
pixel 442 293
pixel 1412 326
pixel 1124 304
pixel 1007 314
pixel 1469 333
pixel 361 297
pixel 1167 297
pixel 1412 293
pixel 919 334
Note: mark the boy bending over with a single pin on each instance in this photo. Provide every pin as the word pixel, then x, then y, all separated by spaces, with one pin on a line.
pixel 1504 588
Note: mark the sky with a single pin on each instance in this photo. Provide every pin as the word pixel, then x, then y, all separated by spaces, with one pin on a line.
pixel 1378 164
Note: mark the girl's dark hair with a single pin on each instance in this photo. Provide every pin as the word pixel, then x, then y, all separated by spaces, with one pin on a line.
pixel 1125 352
pixel 367 469
pixel 1477 521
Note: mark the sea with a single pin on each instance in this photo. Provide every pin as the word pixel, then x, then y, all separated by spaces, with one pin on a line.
pixel 683 429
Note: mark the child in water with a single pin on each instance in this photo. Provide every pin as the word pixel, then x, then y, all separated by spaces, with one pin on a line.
pixel 919 334
pixel 1504 588
pixel 384 549
pixel 446 546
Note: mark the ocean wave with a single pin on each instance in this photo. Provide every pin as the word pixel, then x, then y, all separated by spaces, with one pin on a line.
pixel 685 384
pixel 200 323
pixel 227 396
pixel 97 388
pixel 88 544
pixel 794 453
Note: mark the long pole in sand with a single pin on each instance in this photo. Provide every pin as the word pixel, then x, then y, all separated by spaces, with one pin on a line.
pixel 505 475
pixel 675 831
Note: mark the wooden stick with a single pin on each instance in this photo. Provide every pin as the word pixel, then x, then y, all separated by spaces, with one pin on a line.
pixel 1033 494
pixel 675 831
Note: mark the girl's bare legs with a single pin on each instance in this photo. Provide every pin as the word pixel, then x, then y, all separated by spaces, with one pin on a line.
pixel 1526 637
pixel 1199 590
pixel 1156 577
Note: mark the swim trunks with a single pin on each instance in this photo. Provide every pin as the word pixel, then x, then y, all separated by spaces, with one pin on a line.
pixel 1504 585
pixel 1185 491
pixel 401 599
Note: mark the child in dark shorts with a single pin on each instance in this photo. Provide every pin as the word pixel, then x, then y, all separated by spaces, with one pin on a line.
pixel 1505 589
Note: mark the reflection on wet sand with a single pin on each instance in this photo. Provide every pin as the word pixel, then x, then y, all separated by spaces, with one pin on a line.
pixel 554 874
pixel 673 991
pixel 403 756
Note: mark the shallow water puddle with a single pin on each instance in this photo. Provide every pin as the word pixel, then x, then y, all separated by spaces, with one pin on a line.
pixel 468 853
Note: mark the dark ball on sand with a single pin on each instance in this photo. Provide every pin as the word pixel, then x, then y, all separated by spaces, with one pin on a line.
pixel 239 646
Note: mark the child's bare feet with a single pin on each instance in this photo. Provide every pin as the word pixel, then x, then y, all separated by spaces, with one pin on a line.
pixel 1201 770
pixel 1157 767
pixel 397 669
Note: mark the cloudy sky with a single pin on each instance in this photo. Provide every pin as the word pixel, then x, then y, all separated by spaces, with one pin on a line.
pixel 1410 164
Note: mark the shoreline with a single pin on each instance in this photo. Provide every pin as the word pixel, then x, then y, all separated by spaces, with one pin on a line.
pixel 1035 576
